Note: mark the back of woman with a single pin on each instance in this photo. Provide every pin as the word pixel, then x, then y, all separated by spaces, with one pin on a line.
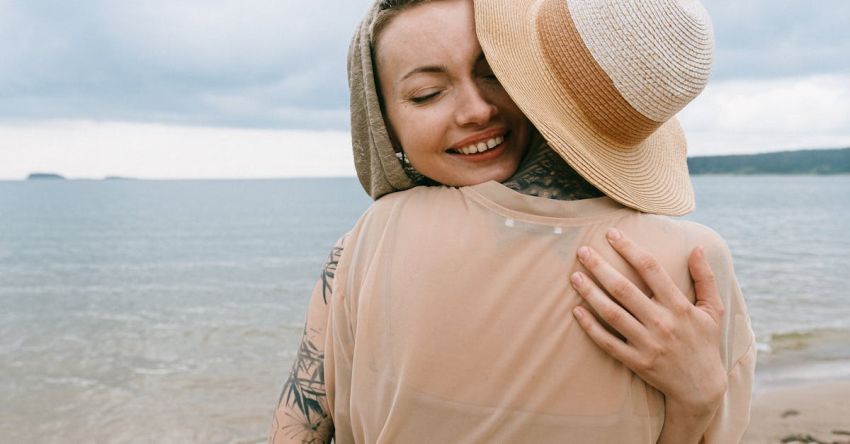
pixel 451 322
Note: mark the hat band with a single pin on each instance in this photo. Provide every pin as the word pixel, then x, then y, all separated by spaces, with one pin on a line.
pixel 576 71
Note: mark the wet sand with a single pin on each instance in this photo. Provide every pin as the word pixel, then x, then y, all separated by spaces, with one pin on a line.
pixel 816 412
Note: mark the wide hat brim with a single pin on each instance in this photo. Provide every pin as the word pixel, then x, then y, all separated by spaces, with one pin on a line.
pixel 651 176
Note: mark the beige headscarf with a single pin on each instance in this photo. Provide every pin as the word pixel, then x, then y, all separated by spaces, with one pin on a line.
pixel 377 166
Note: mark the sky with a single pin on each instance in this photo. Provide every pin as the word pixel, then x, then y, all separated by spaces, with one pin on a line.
pixel 258 88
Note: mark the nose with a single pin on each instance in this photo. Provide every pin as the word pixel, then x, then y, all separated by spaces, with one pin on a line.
pixel 474 108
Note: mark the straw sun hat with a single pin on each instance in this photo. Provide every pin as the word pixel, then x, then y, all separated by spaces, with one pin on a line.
pixel 602 80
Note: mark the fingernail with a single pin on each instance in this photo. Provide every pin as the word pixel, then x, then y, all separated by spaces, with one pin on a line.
pixel 576 279
pixel 577 313
pixel 613 235
pixel 583 253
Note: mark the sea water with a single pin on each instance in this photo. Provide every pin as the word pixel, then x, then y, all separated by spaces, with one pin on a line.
pixel 790 239
pixel 170 311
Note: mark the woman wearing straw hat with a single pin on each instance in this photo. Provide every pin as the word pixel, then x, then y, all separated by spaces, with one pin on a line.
pixel 444 315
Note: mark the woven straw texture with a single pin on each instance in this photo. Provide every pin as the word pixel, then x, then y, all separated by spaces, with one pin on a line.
pixel 543 61
pixel 597 96
pixel 676 41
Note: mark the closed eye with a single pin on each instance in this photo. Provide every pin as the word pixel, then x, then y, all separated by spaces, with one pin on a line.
pixel 424 98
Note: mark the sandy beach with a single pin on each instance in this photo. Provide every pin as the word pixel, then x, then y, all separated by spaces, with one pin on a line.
pixel 806 413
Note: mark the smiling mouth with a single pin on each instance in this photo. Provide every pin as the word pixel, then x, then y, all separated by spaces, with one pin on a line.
pixel 480 147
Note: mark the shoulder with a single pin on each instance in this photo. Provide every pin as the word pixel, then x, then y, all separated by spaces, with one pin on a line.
pixel 716 250
pixel 688 234
pixel 417 194
pixel 711 241
pixel 398 211
pixel 417 202
pixel 673 240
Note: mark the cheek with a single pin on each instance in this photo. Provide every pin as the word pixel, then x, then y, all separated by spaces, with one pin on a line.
pixel 507 105
pixel 517 120
pixel 401 125
pixel 410 134
pixel 418 131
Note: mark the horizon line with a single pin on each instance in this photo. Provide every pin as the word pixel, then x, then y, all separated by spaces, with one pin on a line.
pixel 117 177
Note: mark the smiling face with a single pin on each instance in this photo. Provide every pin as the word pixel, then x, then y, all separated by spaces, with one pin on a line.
pixel 443 104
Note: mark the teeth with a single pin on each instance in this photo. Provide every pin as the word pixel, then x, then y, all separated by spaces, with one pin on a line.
pixel 480 147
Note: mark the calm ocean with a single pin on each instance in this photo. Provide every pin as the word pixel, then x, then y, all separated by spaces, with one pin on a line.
pixel 145 311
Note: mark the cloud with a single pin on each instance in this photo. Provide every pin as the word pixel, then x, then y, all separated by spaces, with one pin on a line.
pixel 281 63
pixel 758 115
pixel 162 60
pixel 780 38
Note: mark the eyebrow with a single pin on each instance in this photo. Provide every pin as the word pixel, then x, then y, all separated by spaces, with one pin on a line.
pixel 438 69
pixel 432 69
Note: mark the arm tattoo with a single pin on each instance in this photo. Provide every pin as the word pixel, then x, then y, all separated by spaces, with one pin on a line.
pixel 543 173
pixel 304 397
pixel 330 270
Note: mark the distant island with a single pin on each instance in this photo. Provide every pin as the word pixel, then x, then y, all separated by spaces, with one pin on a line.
pixel 54 176
pixel 118 178
pixel 830 161
pixel 44 176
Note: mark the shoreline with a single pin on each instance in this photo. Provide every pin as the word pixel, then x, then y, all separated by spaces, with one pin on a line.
pixel 801 394
pixel 806 412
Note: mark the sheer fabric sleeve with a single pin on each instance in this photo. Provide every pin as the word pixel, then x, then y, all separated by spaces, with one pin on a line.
pixel 738 348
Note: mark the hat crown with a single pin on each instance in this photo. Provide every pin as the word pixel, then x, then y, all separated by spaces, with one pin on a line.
pixel 658 53
pixel 589 109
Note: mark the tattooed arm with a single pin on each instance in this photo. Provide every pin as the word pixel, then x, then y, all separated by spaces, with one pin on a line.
pixel 303 415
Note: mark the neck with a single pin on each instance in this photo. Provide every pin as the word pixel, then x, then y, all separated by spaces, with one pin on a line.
pixel 543 173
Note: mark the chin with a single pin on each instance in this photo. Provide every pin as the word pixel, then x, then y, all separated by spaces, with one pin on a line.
pixel 501 174
pixel 463 177
pixel 475 178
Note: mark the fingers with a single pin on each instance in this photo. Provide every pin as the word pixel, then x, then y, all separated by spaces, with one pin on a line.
pixel 609 343
pixel 620 288
pixel 663 288
pixel 615 315
pixel 705 285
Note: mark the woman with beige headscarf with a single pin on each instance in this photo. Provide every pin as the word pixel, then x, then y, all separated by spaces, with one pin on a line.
pixel 443 316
